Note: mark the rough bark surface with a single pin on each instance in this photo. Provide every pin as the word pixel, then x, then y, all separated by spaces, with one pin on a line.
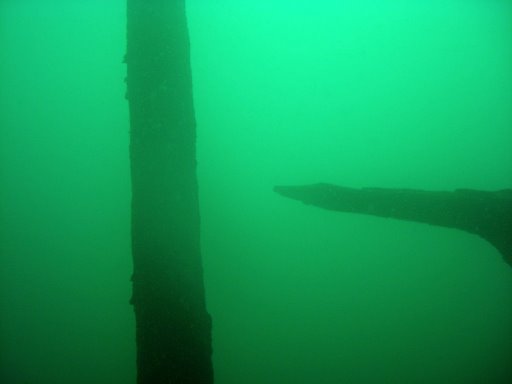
pixel 173 328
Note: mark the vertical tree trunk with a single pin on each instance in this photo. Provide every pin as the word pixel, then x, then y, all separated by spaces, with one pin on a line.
pixel 173 328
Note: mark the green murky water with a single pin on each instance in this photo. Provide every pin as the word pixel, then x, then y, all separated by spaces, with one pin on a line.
pixel 358 93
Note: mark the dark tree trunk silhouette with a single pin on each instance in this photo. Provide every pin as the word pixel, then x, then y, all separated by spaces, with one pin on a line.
pixel 487 214
pixel 173 328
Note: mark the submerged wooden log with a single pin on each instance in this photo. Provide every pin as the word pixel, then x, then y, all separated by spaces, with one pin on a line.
pixel 173 328
pixel 487 214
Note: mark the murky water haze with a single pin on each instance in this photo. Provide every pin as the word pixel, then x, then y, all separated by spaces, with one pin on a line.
pixel 382 93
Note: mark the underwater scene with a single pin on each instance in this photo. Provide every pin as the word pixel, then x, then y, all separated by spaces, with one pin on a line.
pixel 354 176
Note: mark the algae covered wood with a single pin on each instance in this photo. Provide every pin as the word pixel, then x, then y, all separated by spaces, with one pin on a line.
pixel 173 328
pixel 487 214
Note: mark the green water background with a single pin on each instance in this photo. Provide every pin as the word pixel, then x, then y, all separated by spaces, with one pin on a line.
pixel 359 93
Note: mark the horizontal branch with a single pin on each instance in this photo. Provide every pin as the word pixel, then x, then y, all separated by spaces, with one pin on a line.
pixel 487 214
